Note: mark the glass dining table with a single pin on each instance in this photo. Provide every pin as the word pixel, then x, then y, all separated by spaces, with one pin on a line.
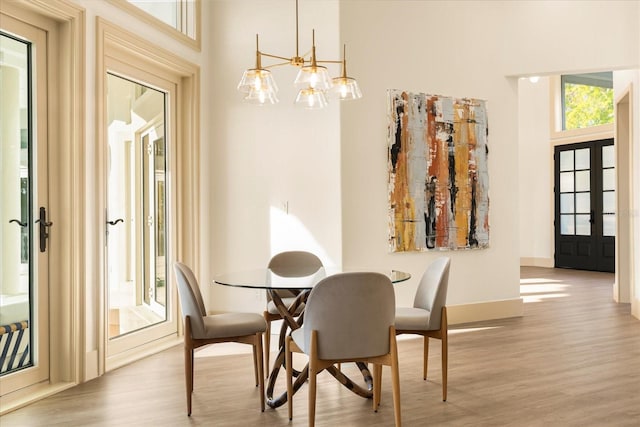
pixel 283 279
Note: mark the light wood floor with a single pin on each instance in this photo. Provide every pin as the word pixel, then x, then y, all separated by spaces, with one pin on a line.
pixel 572 360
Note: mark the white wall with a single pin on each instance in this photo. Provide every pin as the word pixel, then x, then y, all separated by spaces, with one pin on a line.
pixel 470 49
pixel 257 159
pixel 535 160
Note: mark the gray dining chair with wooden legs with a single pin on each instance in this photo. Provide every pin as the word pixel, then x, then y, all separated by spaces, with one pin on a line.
pixel 201 329
pixel 286 264
pixel 428 316
pixel 348 317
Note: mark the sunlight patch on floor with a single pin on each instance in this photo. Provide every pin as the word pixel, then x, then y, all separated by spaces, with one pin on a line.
pixel 224 349
pixel 537 289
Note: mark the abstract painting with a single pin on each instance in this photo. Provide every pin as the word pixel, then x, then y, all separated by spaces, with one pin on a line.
pixel 438 175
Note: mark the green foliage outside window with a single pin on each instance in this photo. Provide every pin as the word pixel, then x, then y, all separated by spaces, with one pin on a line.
pixel 587 100
pixel 587 106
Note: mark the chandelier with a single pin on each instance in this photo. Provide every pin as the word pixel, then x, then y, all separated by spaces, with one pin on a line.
pixel 313 80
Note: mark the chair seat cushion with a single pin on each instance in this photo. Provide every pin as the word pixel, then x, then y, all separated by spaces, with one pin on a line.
pixel 233 325
pixel 412 319
pixel 271 307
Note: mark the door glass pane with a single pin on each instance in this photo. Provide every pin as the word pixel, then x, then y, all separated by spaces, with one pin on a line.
pixel 583 181
pixel 567 203
pixel 608 225
pixel 136 236
pixel 583 158
pixel 16 200
pixel 609 179
pixel 609 202
pixel 566 182
pixel 566 160
pixel 567 225
pixel 583 202
pixel 583 225
pixel 608 156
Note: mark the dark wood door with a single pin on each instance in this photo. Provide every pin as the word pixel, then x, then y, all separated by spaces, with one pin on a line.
pixel 585 181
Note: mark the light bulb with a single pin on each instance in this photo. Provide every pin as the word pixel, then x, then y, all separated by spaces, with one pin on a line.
pixel 343 91
pixel 313 80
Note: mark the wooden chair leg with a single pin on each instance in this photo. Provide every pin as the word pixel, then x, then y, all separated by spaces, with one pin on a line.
pixel 425 357
pixel 188 362
pixel 377 385
pixel 188 375
pixel 444 336
pixel 257 349
pixel 255 366
pixel 313 372
pixel 267 344
pixel 395 378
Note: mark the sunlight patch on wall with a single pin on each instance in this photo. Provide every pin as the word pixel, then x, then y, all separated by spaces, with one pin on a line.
pixel 288 233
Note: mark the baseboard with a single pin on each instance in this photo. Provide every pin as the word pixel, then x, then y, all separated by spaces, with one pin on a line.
pixel 537 262
pixel 490 310
pixel 126 357
pixel 28 395
pixel 90 365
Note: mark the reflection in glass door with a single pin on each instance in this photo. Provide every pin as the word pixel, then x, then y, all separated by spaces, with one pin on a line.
pixel 136 208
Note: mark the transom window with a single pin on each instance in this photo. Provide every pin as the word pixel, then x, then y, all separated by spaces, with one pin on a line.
pixel 587 100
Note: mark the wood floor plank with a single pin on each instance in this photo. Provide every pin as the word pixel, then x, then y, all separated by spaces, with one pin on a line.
pixel 573 359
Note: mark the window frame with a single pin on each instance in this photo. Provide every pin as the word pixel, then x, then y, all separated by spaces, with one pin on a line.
pixel 193 42
pixel 561 136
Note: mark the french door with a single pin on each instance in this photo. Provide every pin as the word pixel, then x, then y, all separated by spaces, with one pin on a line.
pixel 137 233
pixel 24 198
pixel 585 201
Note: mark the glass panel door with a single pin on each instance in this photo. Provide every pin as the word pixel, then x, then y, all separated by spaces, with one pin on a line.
pixel 24 226
pixel 15 312
pixel 585 179
pixel 136 234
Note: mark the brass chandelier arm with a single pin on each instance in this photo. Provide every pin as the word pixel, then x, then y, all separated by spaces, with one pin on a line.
pixel 279 64
pixel 328 62
pixel 268 55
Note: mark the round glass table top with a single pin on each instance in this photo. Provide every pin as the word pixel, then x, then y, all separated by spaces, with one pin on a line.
pixel 266 278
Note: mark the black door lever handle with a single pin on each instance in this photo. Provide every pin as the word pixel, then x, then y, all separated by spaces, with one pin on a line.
pixel 20 223
pixel 44 233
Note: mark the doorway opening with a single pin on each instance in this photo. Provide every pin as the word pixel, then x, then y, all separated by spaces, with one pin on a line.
pixel 585 205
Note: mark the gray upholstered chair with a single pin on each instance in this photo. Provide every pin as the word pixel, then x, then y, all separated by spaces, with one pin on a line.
pixel 428 316
pixel 201 329
pixel 286 264
pixel 348 317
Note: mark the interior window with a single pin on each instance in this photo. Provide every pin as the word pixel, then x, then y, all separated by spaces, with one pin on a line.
pixel 179 14
pixel 587 100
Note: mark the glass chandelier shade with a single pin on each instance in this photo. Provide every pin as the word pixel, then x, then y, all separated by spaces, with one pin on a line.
pixel 312 99
pixel 313 76
pixel 259 86
pixel 346 88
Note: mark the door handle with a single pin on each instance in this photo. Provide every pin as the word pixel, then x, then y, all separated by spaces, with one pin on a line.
pixel 592 217
pixel 20 223
pixel 44 233
pixel 115 221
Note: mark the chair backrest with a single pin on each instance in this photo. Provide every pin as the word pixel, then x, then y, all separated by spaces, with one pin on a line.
pixel 352 313
pixel 432 290
pixel 191 301
pixel 292 264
